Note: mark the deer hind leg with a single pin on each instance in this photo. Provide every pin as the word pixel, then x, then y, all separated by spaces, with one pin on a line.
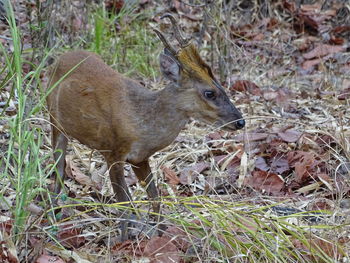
pixel 144 174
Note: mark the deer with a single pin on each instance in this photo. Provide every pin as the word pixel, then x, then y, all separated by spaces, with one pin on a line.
pixel 127 122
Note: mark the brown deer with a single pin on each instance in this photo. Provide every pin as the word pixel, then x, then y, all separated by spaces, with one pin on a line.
pixel 127 122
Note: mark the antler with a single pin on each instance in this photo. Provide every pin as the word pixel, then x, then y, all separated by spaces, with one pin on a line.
pixel 165 42
pixel 182 41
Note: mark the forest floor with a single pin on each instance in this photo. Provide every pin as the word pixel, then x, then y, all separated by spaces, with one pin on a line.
pixel 277 191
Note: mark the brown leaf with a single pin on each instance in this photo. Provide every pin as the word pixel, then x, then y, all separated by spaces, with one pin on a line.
pixel 258 37
pixel 170 176
pixel 279 165
pixel 188 175
pixel 289 135
pixel 317 245
pixel 73 171
pixel 323 50
pixel 303 163
pixel 261 164
pixel 252 136
pixel 215 135
pixel 179 237
pixel 70 236
pixel 341 29
pixel 114 5
pixel 269 182
pixel 309 64
pixel 128 247
pixel 162 250
pixel 180 7
pixel 246 86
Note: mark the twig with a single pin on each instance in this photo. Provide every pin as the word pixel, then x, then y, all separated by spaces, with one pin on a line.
pixel 6 38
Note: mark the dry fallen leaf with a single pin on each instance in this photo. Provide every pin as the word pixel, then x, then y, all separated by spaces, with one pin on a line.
pixel 323 50
pixel 179 237
pixel 73 171
pixel 318 244
pixel 289 135
pixel 304 164
pixel 162 249
pixel 246 86
pixel 279 164
pixel 129 247
pixel 261 180
pixel 170 176
pixel 188 175
pixel 261 164
pixel 70 236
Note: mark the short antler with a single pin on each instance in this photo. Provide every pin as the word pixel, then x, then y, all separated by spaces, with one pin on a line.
pixel 165 42
pixel 182 41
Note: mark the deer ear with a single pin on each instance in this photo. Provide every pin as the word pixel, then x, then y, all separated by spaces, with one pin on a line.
pixel 169 67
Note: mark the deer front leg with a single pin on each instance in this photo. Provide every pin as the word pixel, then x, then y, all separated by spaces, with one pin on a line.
pixel 116 174
pixel 144 174
pixel 60 145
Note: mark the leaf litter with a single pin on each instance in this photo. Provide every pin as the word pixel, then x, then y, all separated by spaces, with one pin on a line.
pixel 291 81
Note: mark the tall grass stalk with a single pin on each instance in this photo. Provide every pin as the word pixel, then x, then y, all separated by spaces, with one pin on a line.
pixel 24 159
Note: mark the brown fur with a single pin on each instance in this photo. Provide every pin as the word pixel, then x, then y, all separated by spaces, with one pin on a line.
pixel 192 63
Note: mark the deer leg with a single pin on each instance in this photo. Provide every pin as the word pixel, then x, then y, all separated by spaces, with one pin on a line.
pixel 144 174
pixel 60 145
pixel 116 174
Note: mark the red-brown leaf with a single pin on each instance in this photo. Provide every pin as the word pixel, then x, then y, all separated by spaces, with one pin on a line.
pixel 170 176
pixel 70 236
pixel 246 86
pixel 179 237
pixel 323 50
pixel 289 135
pixel 162 249
pixel 128 247
pixel 74 172
pixel 269 182
pixel 303 163
pixel 279 165
pixel 309 64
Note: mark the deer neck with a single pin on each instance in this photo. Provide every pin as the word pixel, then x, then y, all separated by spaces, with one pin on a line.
pixel 160 116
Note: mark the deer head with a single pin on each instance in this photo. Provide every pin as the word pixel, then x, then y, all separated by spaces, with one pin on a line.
pixel 203 97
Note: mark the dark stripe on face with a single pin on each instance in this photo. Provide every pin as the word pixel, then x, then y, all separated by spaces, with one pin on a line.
pixel 217 85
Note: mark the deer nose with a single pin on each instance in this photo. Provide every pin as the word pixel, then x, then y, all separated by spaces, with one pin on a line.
pixel 240 124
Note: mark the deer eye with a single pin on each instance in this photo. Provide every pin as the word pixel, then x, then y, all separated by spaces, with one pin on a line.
pixel 209 94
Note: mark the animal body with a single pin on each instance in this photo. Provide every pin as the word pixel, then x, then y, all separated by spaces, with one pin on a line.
pixel 127 122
